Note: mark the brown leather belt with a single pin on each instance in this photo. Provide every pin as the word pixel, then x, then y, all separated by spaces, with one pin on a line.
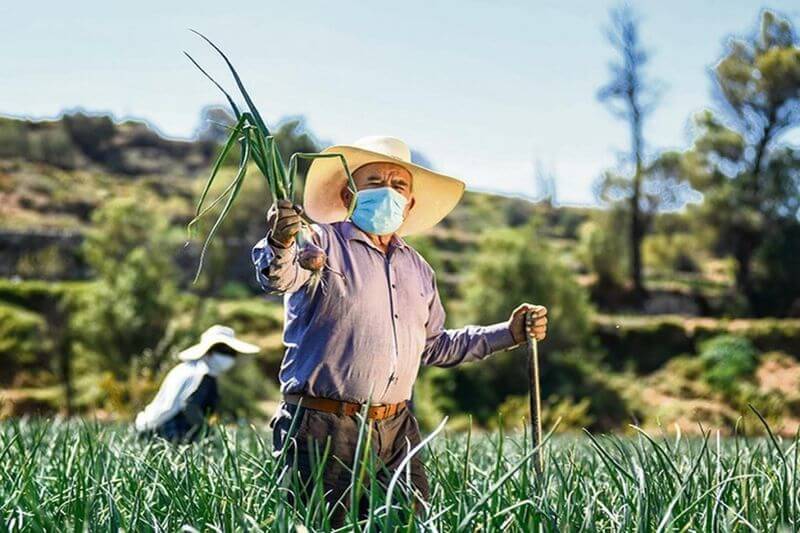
pixel 375 412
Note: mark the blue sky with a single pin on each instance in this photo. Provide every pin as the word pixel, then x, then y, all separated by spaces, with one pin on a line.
pixel 483 89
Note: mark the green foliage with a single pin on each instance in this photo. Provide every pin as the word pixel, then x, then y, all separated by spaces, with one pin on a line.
pixel 13 138
pixel 644 343
pixel 514 266
pixel 46 263
pixel 22 339
pixel 506 271
pixel 667 253
pixel 243 389
pixel 569 414
pixel 247 223
pixel 728 361
pixel 39 295
pixel 479 211
pixel 747 178
pixel 54 148
pixel 234 290
pixel 778 278
pixel 129 308
pixel 253 315
pixel 603 248
pixel 484 483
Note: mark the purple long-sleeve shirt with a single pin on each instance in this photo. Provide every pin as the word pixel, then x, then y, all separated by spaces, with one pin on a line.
pixel 364 332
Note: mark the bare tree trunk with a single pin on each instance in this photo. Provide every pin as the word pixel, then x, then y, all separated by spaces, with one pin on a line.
pixel 746 241
pixel 637 226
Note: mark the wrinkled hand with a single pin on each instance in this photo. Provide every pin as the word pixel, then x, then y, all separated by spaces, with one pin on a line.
pixel 522 326
pixel 284 220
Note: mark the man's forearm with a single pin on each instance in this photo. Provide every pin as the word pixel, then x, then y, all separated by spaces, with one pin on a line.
pixel 471 343
pixel 276 267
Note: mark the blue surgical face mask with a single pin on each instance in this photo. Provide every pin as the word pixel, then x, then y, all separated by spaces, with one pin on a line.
pixel 219 363
pixel 379 211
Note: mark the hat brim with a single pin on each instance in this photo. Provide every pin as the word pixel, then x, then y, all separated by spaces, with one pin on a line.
pixel 435 195
pixel 200 349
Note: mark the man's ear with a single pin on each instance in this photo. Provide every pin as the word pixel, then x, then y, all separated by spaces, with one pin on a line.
pixel 347 196
pixel 409 206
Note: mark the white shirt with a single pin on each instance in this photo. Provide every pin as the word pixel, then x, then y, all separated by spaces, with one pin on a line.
pixel 175 390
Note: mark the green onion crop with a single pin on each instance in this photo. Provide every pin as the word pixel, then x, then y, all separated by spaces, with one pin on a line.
pixel 257 145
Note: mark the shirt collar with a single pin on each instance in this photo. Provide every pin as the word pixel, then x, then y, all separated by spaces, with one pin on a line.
pixel 352 232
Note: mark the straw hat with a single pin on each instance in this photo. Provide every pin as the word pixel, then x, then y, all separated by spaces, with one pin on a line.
pixel 217 335
pixel 435 195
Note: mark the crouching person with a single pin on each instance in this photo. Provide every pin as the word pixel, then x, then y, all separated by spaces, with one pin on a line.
pixel 188 393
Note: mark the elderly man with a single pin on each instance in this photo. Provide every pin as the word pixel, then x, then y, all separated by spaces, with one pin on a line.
pixel 362 335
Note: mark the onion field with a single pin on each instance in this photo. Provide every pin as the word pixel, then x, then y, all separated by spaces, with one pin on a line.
pixel 76 475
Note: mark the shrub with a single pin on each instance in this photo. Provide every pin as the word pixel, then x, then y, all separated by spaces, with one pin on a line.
pixel 507 270
pixel 244 389
pixel 252 315
pixel 570 415
pixel 778 279
pixel 669 253
pixel 235 290
pixel 514 266
pixel 13 138
pixel 38 295
pixel 46 263
pixel 728 360
pixel 642 344
pixel 129 308
pixel 22 336
pixel 603 249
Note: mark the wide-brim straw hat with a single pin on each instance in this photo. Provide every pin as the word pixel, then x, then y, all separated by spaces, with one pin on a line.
pixel 435 195
pixel 217 335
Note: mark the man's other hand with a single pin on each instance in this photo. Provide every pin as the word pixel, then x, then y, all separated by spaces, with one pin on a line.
pixel 522 326
pixel 284 220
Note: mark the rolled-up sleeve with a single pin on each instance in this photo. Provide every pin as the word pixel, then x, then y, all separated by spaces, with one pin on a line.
pixel 277 270
pixel 450 347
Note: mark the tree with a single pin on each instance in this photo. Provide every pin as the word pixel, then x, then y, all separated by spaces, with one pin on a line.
pixel 545 179
pixel 129 307
pixel 511 267
pixel 749 181
pixel 630 96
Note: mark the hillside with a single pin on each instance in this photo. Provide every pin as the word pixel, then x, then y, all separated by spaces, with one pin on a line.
pixel 641 360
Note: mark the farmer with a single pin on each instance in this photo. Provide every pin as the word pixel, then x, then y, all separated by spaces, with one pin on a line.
pixel 363 333
pixel 189 392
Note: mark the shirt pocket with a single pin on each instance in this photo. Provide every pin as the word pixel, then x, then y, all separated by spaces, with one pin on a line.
pixel 414 300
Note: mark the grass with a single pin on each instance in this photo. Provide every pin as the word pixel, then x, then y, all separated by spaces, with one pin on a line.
pixel 87 476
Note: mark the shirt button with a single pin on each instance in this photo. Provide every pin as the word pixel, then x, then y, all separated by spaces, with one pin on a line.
pixel 396 315
pixel 394 286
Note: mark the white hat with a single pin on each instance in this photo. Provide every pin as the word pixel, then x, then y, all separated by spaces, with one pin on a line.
pixel 435 195
pixel 217 334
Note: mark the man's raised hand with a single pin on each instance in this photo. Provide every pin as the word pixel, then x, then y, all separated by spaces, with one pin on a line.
pixel 284 220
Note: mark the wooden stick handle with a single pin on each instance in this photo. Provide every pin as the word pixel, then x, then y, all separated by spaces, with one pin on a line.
pixel 535 397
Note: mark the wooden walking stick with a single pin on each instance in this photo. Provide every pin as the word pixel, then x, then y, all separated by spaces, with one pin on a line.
pixel 535 396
